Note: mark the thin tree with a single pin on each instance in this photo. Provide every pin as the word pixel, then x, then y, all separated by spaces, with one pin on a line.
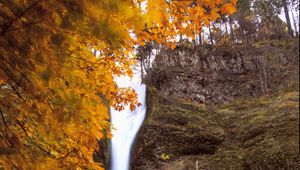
pixel 200 39
pixel 210 35
pixel 231 28
pixel 287 17
pixel 294 20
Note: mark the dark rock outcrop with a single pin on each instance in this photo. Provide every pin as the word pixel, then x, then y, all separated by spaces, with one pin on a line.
pixel 219 74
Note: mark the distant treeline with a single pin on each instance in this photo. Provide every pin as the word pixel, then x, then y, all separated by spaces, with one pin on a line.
pixel 254 20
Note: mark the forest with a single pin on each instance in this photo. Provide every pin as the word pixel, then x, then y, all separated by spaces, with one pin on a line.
pixel 222 81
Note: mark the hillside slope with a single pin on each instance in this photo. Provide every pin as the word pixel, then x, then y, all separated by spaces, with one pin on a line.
pixel 258 133
pixel 249 132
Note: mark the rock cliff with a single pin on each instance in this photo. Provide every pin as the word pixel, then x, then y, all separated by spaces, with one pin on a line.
pixel 219 74
pixel 217 109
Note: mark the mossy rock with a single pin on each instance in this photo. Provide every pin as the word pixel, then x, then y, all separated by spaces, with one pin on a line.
pixel 260 133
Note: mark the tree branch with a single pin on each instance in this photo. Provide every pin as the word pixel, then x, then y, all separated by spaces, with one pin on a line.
pixel 16 91
pixel 42 149
pixel 68 153
pixel 3 119
pixel 9 24
pixel 22 127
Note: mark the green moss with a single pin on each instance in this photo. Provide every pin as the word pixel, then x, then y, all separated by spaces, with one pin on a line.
pixel 258 133
pixel 276 43
pixel 252 133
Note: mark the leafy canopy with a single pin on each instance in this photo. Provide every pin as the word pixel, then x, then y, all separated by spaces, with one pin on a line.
pixel 54 92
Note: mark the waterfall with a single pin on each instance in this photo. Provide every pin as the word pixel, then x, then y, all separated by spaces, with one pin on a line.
pixel 126 124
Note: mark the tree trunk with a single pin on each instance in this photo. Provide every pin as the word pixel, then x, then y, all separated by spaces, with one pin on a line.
pixel 200 39
pixel 287 17
pixel 226 29
pixel 231 29
pixel 278 32
pixel 142 69
pixel 148 62
pixel 180 37
pixel 210 36
pixel 194 40
pixel 220 39
pixel 295 25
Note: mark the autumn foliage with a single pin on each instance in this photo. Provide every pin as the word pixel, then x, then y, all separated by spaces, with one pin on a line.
pixel 54 92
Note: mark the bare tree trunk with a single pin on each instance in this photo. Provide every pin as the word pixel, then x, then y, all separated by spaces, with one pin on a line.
pixel 200 39
pixel 295 25
pixel 148 62
pixel 180 37
pixel 142 69
pixel 220 33
pixel 278 32
pixel 194 40
pixel 287 17
pixel 231 29
pixel 226 29
pixel 210 36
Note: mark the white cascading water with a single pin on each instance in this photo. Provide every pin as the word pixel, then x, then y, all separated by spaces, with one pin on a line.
pixel 126 124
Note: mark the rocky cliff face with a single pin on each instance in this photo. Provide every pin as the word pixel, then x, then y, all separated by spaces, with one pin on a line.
pixel 256 129
pixel 220 74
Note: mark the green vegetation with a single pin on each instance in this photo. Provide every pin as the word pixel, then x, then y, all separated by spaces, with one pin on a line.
pixel 256 133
